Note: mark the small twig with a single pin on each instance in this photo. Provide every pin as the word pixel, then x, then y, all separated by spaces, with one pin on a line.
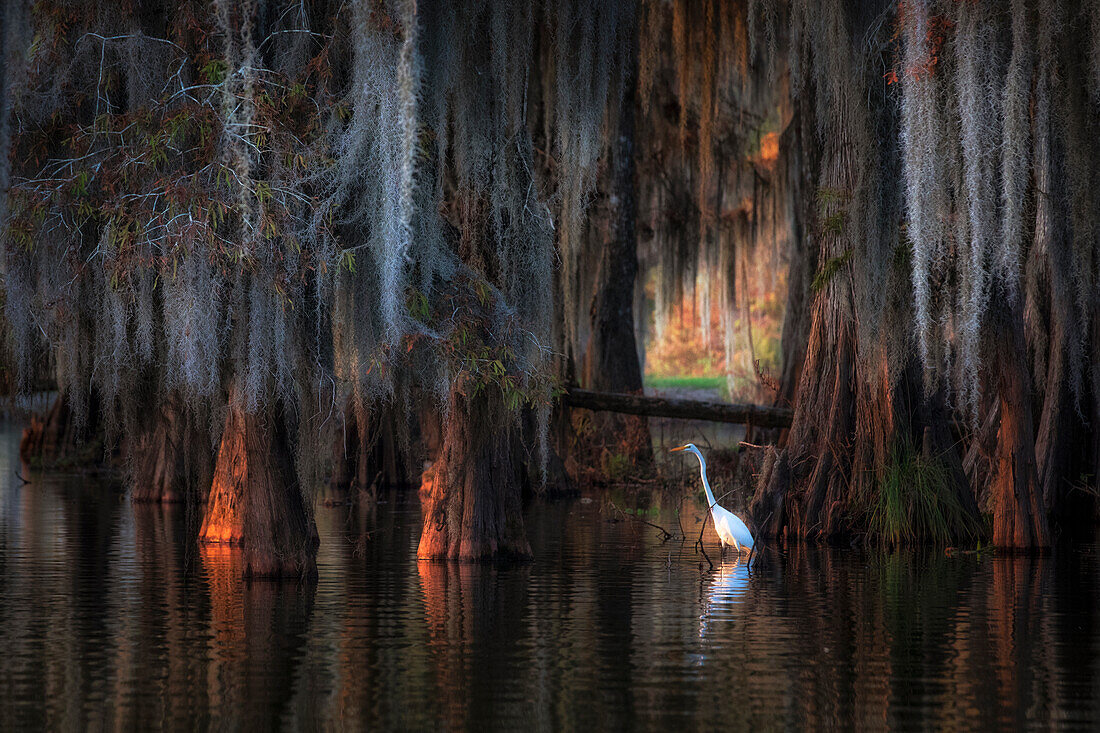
pixel 679 511
pixel 665 534
pixel 20 477
pixel 699 544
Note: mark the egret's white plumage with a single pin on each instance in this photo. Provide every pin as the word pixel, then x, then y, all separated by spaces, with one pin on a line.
pixel 731 530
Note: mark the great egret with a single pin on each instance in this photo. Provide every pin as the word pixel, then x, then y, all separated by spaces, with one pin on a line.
pixel 731 530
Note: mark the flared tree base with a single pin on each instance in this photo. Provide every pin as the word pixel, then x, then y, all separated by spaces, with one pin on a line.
pixel 255 501
pixel 471 495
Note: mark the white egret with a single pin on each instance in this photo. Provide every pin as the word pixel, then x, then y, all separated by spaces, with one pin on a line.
pixel 730 528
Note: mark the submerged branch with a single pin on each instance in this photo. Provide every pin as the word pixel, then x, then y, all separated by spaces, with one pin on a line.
pixel 665 534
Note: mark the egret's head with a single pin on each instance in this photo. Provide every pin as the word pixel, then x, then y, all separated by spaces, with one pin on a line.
pixel 690 448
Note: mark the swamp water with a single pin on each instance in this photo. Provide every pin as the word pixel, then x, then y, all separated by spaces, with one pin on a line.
pixel 111 618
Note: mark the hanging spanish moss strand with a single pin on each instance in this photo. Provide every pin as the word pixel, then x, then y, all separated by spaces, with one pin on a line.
pixel 288 220
pixel 924 182
pixel 283 214
pixel 977 60
pixel 1015 150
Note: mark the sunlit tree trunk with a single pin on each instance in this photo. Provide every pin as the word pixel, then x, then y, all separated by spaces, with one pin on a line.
pixel 255 500
pixel 471 495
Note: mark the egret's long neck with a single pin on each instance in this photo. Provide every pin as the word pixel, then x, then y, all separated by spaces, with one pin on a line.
pixel 706 483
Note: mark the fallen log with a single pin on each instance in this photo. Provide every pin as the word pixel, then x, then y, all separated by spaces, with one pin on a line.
pixel 758 415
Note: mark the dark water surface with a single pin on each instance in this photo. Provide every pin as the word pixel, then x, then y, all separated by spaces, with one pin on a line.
pixel 111 618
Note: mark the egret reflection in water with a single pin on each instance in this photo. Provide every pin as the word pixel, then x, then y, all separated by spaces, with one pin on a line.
pixel 726 594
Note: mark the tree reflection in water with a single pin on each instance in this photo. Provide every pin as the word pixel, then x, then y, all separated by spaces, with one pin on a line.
pixel 110 616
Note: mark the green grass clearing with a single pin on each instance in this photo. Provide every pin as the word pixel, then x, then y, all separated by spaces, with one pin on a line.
pixel 717 384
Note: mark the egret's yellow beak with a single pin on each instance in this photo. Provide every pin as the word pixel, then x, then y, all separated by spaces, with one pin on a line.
pixel 682 447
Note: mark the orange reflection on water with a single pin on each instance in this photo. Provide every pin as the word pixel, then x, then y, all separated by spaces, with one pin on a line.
pixel 449 614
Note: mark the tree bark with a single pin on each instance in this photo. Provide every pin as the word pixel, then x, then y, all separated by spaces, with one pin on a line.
pixel 1051 316
pixel 933 421
pixel 611 357
pixel 822 438
pixel 800 169
pixel 852 407
pixel 1019 521
pixel 472 495
pixel 766 510
pixel 255 500
pixel 172 457
pixel 367 455
pixel 1059 429
pixel 53 439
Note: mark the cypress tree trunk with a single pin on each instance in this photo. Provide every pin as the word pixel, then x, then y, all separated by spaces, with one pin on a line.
pixel 366 455
pixel 823 430
pixel 55 439
pixel 171 457
pixel 611 358
pixel 255 500
pixel 1061 436
pixel 823 440
pixel 472 494
pixel 1060 431
pixel 1019 521
pixel 853 410
pixel 801 169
